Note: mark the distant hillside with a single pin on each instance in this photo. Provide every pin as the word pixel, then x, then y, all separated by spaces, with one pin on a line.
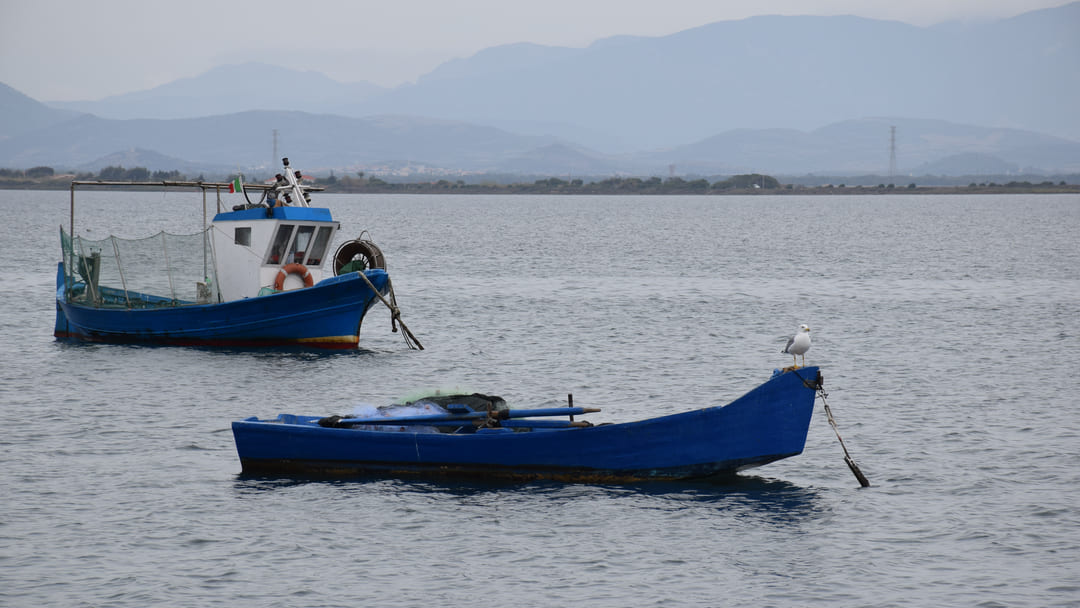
pixel 625 94
pixel 768 72
pixel 324 142
pixel 968 163
pixel 243 139
pixel 862 146
pixel 560 159
pixel 21 114
pixel 230 89
pixel 147 159
pixel 725 98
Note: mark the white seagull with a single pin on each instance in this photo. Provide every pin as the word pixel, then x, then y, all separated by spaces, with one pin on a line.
pixel 798 344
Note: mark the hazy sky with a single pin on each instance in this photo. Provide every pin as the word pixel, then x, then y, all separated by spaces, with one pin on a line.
pixel 61 50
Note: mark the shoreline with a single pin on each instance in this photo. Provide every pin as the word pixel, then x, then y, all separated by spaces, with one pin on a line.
pixel 602 189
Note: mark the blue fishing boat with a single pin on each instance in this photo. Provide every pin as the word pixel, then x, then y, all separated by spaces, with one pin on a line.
pixel 257 275
pixel 479 436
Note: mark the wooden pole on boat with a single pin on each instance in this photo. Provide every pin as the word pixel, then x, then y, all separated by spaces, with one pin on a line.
pixel 205 272
pixel 71 226
pixel 468 416
pixel 544 411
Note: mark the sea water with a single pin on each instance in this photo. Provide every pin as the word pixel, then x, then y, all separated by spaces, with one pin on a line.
pixel 946 328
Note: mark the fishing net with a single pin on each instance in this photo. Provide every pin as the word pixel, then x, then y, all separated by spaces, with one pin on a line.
pixel 164 270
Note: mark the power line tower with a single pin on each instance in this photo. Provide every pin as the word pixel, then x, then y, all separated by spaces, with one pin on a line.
pixel 892 152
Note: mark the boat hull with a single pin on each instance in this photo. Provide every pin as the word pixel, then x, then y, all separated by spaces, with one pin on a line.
pixel 326 315
pixel 767 424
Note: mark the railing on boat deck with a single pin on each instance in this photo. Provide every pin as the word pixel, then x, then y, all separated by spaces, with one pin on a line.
pixel 93 293
pixel 217 187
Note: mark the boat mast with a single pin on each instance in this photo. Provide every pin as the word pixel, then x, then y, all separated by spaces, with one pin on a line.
pixel 294 192
pixel 205 238
pixel 71 225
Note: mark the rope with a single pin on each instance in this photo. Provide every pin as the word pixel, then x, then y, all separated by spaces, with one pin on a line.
pixel 395 313
pixel 818 386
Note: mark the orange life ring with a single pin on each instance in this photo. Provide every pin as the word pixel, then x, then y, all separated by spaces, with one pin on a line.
pixel 297 269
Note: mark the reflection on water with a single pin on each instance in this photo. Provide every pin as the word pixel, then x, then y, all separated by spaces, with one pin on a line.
pixel 776 500
pixel 293 353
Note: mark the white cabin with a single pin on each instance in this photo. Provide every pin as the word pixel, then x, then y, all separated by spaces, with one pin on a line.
pixel 259 250
pixel 252 247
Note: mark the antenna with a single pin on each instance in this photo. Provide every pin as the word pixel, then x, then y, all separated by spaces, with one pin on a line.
pixel 892 152
pixel 275 157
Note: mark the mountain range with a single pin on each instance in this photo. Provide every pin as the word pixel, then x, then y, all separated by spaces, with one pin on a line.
pixel 784 95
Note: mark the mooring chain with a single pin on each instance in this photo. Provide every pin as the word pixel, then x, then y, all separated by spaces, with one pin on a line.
pixel 818 386
pixel 395 313
pixel 395 319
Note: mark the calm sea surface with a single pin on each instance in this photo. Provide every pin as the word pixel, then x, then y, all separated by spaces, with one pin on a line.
pixel 946 327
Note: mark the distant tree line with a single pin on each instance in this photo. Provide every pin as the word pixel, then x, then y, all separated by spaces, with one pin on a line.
pixel 32 173
pixel 555 185
pixel 137 174
pixel 110 173
pixel 46 177
pixel 1014 184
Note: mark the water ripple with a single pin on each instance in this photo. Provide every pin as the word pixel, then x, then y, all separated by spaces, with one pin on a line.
pixel 944 325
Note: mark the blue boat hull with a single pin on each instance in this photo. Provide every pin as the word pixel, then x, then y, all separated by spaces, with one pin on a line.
pixel 326 315
pixel 767 424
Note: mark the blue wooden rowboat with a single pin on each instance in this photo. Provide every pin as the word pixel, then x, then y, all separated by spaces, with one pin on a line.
pixel 258 275
pixel 766 424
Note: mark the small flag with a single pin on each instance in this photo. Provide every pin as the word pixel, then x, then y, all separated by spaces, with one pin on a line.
pixel 237 185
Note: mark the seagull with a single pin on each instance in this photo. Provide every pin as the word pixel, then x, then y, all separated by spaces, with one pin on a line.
pixel 798 344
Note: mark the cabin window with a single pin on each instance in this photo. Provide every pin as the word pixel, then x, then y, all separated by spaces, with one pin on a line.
pixel 281 240
pixel 301 243
pixel 322 239
pixel 242 236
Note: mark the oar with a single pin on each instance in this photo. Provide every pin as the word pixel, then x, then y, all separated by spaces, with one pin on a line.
pixel 431 419
pixel 499 414
pixel 547 411
pixel 545 424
